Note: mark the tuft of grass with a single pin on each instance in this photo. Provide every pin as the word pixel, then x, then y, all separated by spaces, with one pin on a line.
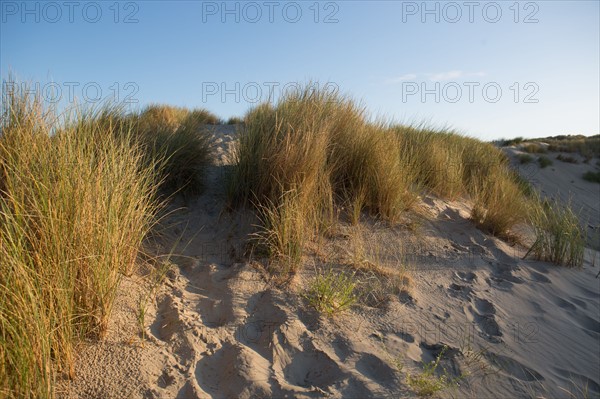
pixel 559 237
pixel 499 204
pixel 428 382
pixel 525 158
pixel 77 201
pixel 177 137
pixel 544 161
pixel 567 158
pixel 235 120
pixel 592 176
pixel 283 232
pixel 165 117
pixel 534 148
pixel 320 146
pixel 331 292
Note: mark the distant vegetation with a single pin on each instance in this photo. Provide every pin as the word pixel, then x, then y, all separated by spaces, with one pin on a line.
pixel 587 147
pixel 515 141
pixel 234 120
pixel 534 149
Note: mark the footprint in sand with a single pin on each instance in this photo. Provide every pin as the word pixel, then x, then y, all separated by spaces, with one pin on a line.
pixel 482 313
pixel 167 321
pixel 459 291
pixel 376 369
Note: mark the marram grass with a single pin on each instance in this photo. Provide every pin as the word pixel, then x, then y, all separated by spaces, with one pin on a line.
pixel 76 201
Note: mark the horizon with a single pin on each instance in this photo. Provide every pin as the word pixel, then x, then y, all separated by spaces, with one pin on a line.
pixel 489 70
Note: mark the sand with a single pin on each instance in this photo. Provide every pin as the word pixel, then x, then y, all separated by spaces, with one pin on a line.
pixel 219 328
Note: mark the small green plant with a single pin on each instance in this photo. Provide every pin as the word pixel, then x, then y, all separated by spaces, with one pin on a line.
pixel 429 381
pixel 525 158
pixel 544 161
pixel 331 292
pixel 592 176
pixel 559 237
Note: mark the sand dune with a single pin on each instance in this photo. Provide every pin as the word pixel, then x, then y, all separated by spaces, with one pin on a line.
pixel 506 327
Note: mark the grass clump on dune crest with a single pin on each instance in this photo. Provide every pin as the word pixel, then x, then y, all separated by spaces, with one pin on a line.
pixel 76 203
pixel 320 146
pixel 324 147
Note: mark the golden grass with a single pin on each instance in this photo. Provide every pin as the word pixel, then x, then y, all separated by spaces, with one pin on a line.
pixel 178 138
pixel 324 147
pixel 75 206
pixel 559 236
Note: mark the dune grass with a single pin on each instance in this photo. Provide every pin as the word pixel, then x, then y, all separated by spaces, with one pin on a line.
pixel 77 200
pixel 177 137
pixel 567 158
pixel 324 148
pixel 559 236
pixel 525 159
pixel 499 204
pixel 533 148
pixel 591 176
pixel 235 120
pixel 544 161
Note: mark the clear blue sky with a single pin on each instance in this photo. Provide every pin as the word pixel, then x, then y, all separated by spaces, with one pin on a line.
pixel 395 56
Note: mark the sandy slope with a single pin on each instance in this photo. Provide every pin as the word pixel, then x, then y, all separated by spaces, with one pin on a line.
pixel 218 328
